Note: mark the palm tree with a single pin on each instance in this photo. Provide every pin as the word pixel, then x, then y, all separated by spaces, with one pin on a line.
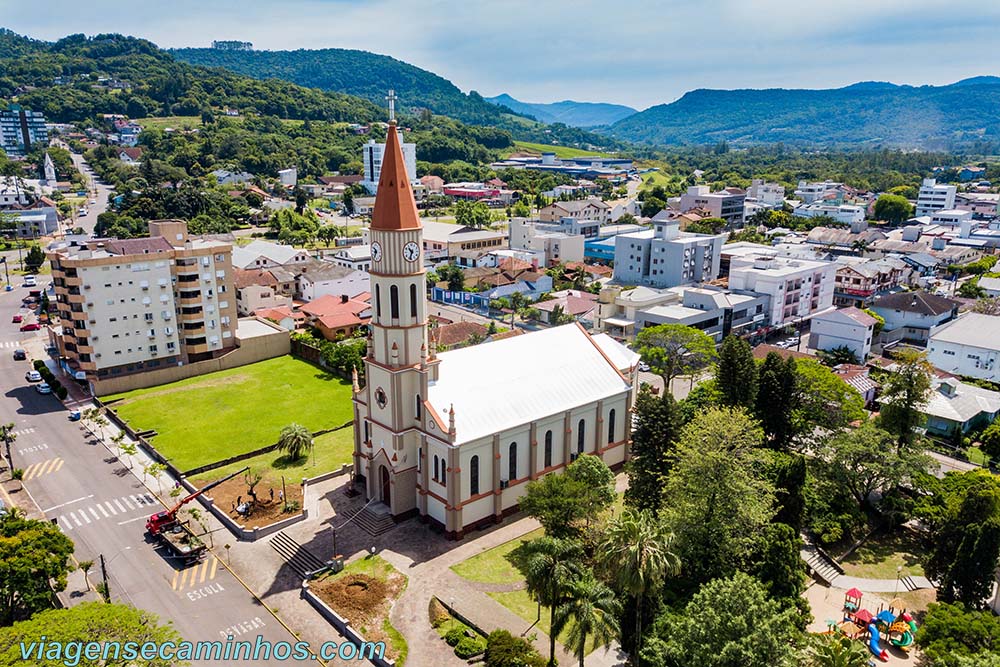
pixel 635 554
pixel 837 651
pixel 548 564
pixel 296 441
pixel 590 611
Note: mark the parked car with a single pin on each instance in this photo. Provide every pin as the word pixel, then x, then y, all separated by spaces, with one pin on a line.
pixel 30 281
pixel 43 388
pixel 643 366
pixel 20 355
pixel 93 201
pixel 31 326
pixel 17 319
pixel 3 509
pixel 75 416
pixel 33 376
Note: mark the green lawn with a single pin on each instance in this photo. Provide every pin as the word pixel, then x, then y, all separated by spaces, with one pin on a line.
pixel 492 566
pixel 882 553
pixel 212 417
pixel 176 122
pixel 976 455
pixel 654 178
pixel 560 151
pixel 330 451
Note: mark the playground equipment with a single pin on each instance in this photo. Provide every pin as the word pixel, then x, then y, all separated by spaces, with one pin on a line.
pixel 902 632
pixel 873 643
pixel 852 600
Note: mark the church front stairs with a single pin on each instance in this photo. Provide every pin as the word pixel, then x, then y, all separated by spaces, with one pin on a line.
pixel 375 519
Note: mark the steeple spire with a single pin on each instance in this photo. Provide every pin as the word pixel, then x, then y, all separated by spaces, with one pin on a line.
pixel 394 206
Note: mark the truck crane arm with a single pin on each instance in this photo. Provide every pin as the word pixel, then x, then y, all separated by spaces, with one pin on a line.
pixel 160 520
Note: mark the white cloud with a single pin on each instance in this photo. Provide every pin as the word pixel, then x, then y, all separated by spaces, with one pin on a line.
pixel 641 53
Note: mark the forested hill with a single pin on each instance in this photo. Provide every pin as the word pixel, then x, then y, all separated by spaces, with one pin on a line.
pixel 370 75
pixel 864 114
pixel 570 112
pixel 63 79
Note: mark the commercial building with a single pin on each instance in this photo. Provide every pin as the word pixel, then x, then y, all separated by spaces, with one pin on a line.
pixel 20 130
pixel 953 217
pixel 798 288
pixel 858 283
pixel 665 256
pixel 555 242
pixel 769 195
pixel 812 192
pixel 371 157
pixel 725 204
pixel 128 306
pixel 718 313
pixel 847 327
pixel 933 197
pixel 969 346
pixel 444 241
pixel 844 213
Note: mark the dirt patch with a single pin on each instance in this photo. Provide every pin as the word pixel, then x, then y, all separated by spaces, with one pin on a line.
pixel 365 600
pixel 268 508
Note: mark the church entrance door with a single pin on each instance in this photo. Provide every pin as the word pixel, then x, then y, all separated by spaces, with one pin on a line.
pixel 386 496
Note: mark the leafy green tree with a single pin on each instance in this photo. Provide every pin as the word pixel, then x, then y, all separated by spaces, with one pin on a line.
pixel 520 209
pixel 635 555
pixel 893 208
pixel 656 428
pixel 730 621
pixel 904 394
pixel 777 398
pixel 779 566
pixel 736 373
pixel 548 565
pixel 34 258
pixel 838 355
pixel 593 475
pixel 865 460
pixel 950 633
pixel 966 545
pixel 715 504
pixel 879 321
pixel 824 399
pixel 505 650
pixel 674 350
pixel 88 621
pixel 34 562
pixel 835 651
pixel 472 214
pixel 566 504
pixel 296 441
pixel 590 611
pixel 990 440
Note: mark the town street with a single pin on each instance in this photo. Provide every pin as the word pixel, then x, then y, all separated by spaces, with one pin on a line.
pixel 101 505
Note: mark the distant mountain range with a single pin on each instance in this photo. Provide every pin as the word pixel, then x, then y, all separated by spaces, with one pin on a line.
pixel 576 114
pixel 868 113
pixel 370 76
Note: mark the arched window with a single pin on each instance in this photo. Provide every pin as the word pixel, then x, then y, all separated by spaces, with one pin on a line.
pixel 435 477
pixel 474 476
pixel 581 431
pixel 378 301
pixel 413 300
pixel 611 426
pixel 420 459
pixel 394 302
pixel 548 449
pixel 512 462
pixel 419 408
pixel 366 432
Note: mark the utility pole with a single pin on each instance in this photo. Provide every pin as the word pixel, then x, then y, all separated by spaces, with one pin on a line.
pixel 104 575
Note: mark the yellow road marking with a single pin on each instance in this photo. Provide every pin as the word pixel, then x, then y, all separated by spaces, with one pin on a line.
pixel 214 568
pixel 44 468
pixel 173 584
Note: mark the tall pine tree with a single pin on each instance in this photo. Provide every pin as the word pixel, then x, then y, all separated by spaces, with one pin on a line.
pixel 653 438
pixel 776 398
pixel 736 373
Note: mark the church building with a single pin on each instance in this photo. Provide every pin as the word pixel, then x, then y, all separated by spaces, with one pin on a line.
pixel 454 437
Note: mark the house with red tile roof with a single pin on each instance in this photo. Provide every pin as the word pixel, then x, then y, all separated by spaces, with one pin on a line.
pixel 572 303
pixel 258 289
pixel 283 316
pixel 338 316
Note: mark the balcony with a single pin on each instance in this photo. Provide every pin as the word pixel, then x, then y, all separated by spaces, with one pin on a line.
pixel 73 281
pixel 191 299
pixel 193 328
pixel 75 298
pixel 188 278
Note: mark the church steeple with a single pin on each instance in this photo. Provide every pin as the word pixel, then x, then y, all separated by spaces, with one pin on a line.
pixel 395 208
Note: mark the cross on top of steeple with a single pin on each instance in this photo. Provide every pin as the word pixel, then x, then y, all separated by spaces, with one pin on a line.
pixel 391 98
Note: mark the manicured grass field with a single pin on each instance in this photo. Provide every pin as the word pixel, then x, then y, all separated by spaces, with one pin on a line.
pixel 176 122
pixel 492 566
pixel 330 451
pixel 560 151
pixel 882 553
pixel 212 417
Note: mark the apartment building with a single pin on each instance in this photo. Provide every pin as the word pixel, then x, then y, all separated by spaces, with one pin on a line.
pixel 20 129
pixel 933 197
pixel 798 288
pixel 371 158
pixel 814 192
pixel 770 195
pixel 557 243
pixel 127 306
pixel 844 213
pixel 725 204
pixel 665 256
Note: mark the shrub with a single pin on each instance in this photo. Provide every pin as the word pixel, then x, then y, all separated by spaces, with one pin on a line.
pixel 454 636
pixel 505 650
pixel 61 393
pixel 470 646
pixel 39 365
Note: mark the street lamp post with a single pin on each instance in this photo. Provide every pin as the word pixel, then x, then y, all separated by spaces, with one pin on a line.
pixel 104 572
pixel 899 571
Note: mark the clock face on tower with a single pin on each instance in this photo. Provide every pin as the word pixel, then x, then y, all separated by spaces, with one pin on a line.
pixel 411 251
pixel 376 252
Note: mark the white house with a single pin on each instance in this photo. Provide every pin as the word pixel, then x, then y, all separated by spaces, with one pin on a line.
pixel 913 316
pixel 844 213
pixel 933 197
pixel 264 255
pixel 356 257
pixel 968 346
pixel 288 177
pixel 955 405
pixel 847 327
pixel 990 285
pixel 326 278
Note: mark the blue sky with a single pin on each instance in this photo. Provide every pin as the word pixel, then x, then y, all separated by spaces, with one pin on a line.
pixel 640 53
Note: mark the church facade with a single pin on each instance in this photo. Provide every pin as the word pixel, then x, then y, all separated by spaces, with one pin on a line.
pixel 454 437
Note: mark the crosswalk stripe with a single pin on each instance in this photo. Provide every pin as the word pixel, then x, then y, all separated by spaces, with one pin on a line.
pixel 92 511
pixel 69 526
pixel 59 466
pixel 173 584
pixel 75 519
pixel 103 511
pixel 110 508
pixel 85 517
pixel 119 505
pixel 213 569
pixel 29 471
pixel 204 572
pixel 129 503
pixel 49 467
